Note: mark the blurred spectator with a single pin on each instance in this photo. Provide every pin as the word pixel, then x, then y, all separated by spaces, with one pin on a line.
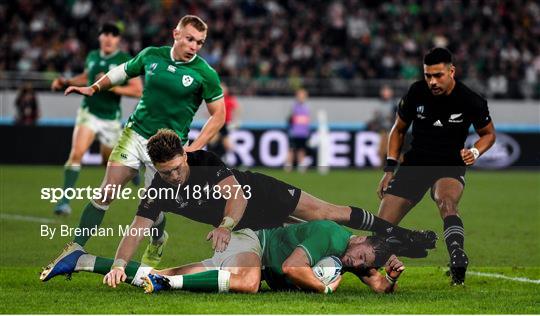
pixel 299 131
pixel 383 118
pixel 258 41
pixel 27 106
pixel 220 143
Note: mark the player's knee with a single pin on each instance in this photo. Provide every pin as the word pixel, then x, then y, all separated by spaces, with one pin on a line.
pixel 447 206
pixel 250 284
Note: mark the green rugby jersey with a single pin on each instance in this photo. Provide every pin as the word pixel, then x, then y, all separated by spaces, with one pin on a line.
pixel 319 239
pixel 173 91
pixel 104 104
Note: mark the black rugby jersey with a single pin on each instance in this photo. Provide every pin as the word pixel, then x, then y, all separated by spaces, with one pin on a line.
pixel 441 123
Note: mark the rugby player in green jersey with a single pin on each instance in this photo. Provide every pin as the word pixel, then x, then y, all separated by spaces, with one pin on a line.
pixel 100 114
pixel 283 257
pixel 176 81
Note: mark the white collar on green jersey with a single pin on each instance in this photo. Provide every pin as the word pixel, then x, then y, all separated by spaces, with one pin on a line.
pixel 102 55
pixel 181 62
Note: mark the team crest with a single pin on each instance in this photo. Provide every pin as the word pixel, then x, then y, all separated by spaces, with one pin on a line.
pixel 187 80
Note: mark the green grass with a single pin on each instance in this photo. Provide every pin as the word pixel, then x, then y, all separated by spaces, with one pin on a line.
pixel 501 212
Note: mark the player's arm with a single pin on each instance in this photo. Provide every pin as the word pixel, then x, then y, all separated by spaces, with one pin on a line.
pixel 384 284
pixel 61 83
pixel 114 77
pixel 212 125
pixel 234 210
pixel 395 142
pixel 486 140
pixel 133 88
pixel 297 269
pixel 125 251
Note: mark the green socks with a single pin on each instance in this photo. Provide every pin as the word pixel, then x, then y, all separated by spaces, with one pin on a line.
pixel 207 281
pixel 100 265
pixel 71 173
pixel 90 218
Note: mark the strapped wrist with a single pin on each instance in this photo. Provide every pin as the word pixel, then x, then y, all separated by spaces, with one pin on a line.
pixel 96 87
pixel 390 279
pixel 119 264
pixel 390 165
pixel 228 223
pixel 475 152
pixel 328 290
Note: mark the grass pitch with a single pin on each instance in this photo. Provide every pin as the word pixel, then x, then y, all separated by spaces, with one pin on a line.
pixel 501 212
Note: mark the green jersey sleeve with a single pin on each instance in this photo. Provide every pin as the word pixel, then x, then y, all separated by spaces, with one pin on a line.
pixel 324 238
pixel 135 66
pixel 211 89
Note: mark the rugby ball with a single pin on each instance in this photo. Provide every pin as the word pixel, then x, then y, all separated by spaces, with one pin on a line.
pixel 328 269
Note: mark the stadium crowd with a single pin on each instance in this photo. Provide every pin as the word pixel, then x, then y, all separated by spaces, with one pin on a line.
pixel 495 42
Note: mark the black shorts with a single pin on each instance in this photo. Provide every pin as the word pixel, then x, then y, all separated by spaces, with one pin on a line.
pixel 412 180
pixel 224 131
pixel 271 203
pixel 298 143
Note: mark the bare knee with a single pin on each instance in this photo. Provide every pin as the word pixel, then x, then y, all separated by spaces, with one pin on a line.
pixel 447 206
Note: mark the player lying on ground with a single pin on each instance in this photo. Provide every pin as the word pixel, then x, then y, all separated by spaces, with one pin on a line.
pixel 264 202
pixel 286 253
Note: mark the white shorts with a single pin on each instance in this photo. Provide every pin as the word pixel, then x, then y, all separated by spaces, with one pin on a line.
pixel 131 152
pixel 107 131
pixel 243 240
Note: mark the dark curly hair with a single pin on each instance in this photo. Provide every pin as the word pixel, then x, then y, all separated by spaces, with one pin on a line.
pixel 164 146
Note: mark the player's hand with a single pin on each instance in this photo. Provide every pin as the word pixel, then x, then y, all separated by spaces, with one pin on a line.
pixel 116 276
pixel 394 267
pixel 383 184
pixel 58 84
pixel 467 156
pixel 334 285
pixel 87 91
pixel 220 238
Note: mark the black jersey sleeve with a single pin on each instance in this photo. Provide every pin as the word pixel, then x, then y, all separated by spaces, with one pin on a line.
pixel 480 114
pixel 406 110
pixel 150 208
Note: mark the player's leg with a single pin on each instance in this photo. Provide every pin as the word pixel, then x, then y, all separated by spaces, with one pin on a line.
pixel 116 176
pixel 311 208
pixel 82 138
pixel 75 259
pixel 447 192
pixel 105 152
pixel 393 208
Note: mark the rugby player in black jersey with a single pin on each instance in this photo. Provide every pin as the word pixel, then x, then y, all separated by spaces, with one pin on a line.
pixel 441 110
pixel 205 190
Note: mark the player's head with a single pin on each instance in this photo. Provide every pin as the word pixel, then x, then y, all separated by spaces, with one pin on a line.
pixel 189 36
pixel 168 156
pixel 301 95
pixel 109 38
pixel 439 71
pixel 365 252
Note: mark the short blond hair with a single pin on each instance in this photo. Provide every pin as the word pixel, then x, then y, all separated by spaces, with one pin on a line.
pixel 194 21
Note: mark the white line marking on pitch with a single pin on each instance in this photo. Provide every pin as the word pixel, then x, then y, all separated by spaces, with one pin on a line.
pixel 25 218
pixel 501 276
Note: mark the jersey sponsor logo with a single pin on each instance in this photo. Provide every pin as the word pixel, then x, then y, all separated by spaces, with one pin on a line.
pixel 420 109
pixel 456 118
pixel 171 68
pixel 187 80
pixel 420 116
pixel 437 123
pixel 124 156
